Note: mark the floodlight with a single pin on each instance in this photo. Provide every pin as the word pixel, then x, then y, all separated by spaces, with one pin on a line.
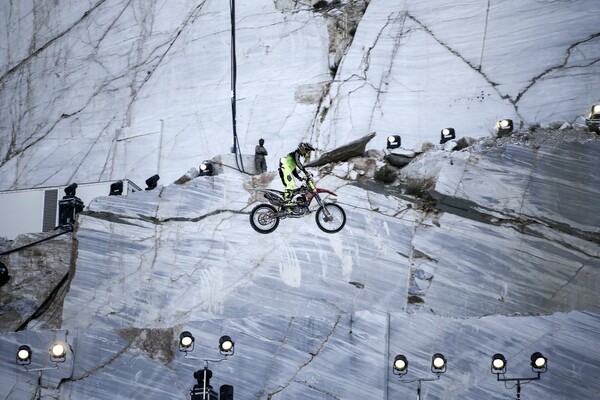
pixel 393 142
pixel 186 341
pixel 447 134
pixel 4 276
pixel 538 365
pixel 206 168
pixel 24 355
pixel 152 182
pixel 438 363
pixel 71 189
pixel 58 352
pixel 538 362
pixel 498 364
pixel 226 345
pixel 116 189
pixel 400 366
pixel 505 126
pixel 593 121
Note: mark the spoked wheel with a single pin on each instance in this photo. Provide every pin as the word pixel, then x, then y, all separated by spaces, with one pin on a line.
pixel 330 218
pixel 264 219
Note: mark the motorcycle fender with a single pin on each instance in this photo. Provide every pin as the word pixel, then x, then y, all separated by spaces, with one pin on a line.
pixel 272 198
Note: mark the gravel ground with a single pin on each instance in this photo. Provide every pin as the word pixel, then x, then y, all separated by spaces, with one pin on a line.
pixel 535 137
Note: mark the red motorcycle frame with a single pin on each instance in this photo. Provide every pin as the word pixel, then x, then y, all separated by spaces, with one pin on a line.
pixel 330 217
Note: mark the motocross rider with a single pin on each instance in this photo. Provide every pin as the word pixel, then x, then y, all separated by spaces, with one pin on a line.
pixel 289 165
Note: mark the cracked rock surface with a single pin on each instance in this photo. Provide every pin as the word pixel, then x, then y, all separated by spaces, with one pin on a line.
pixel 471 266
pixel 493 248
pixel 128 88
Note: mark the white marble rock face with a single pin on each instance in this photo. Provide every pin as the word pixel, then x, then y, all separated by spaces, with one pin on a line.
pixel 502 258
pixel 126 89
pixel 303 305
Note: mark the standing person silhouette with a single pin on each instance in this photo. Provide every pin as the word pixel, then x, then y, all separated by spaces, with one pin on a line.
pixel 260 162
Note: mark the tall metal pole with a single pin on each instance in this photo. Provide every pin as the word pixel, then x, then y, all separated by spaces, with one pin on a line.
pixel 40 385
pixel 518 380
pixel 235 147
pixel 204 391
pixel 233 76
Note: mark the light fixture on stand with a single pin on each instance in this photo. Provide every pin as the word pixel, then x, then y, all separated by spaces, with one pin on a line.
pixel 593 120
pixel 393 142
pixel 206 168
pixel 152 182
pixel 203 390
pixel 400 368
pixel 24 356
pixel 447 134
pixel 116 188
pixel 226 346
pixel 539 365
pixel 505 127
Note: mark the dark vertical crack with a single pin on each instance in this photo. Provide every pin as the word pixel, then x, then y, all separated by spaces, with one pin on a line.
pixel 514 101
pixel 36 52
pixel 188 22
pixel 13 149
pixel 399 19
pixel 567 283
pixel 478 69
pixel 344 24
pixel 268 373
pixel 365 64
pixel 454 52
pixel 562 65
pixel 485 28
pixel 312 356
pixel 99 368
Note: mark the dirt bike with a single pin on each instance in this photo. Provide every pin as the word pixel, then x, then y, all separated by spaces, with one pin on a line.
pixel 264 218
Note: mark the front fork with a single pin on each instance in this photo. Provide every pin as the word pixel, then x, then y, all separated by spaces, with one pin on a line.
pixel 328 216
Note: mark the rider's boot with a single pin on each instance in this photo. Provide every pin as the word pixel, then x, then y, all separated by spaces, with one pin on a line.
pixel 289 206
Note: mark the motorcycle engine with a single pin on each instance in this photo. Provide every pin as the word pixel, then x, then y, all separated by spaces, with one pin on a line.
pixel 301 200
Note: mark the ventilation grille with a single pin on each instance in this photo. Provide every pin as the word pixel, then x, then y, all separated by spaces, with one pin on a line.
pixel 50 204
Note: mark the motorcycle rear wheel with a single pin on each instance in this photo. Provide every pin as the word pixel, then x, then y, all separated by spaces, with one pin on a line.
pixel 264 219
pixel 335 222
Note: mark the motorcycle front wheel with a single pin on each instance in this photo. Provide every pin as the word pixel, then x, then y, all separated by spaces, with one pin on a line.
pixel 330 218
pixel 264 219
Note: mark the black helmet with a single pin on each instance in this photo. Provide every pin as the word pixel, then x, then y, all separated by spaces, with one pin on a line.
pixel 305 148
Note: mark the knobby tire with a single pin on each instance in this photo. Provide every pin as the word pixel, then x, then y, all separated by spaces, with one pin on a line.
pixel 263 218
pixel 338 214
